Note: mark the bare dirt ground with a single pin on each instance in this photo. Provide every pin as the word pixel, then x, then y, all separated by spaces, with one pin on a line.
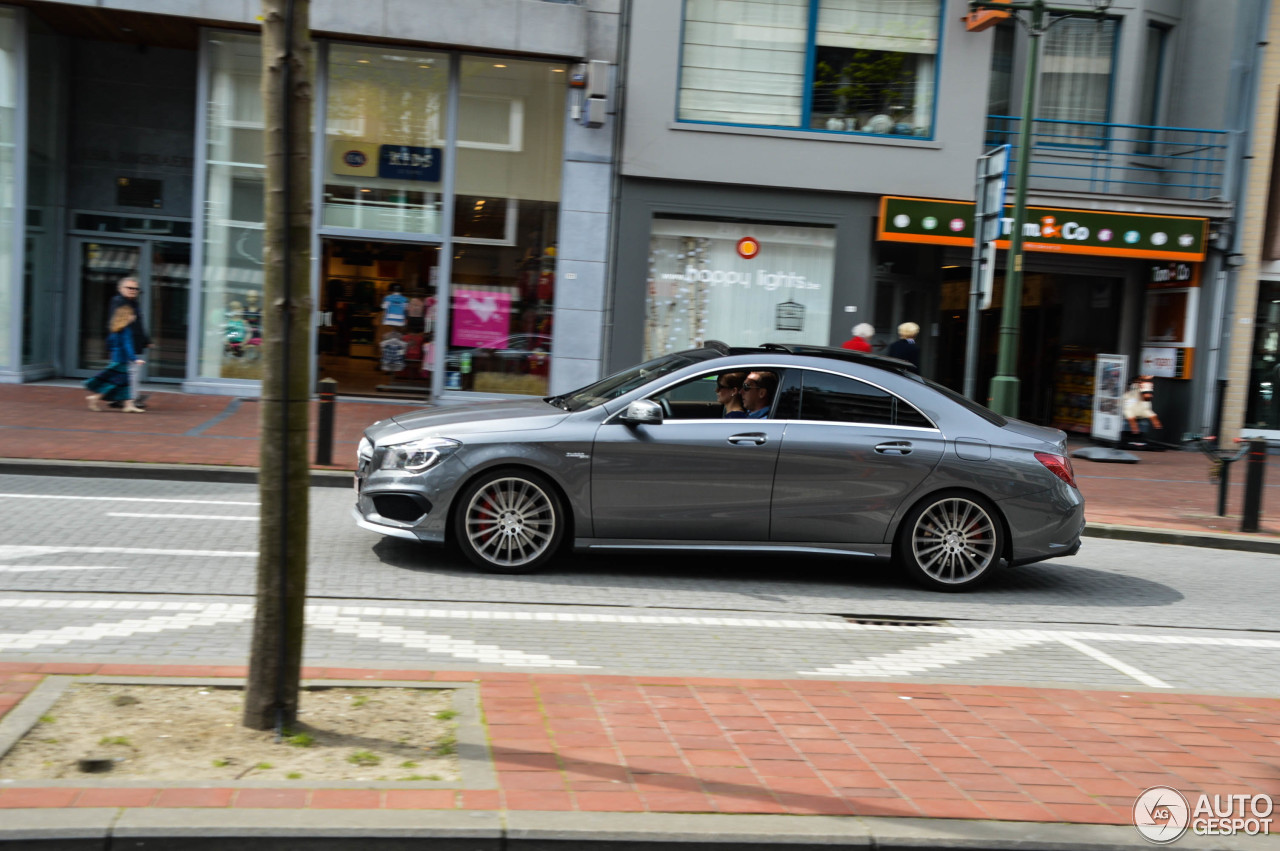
pixel 193 733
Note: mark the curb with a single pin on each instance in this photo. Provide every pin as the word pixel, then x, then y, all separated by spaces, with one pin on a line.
pixel 506 830
pixel 161 472
pixel 342 479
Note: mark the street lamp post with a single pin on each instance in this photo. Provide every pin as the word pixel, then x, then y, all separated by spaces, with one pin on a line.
pixel 1040 16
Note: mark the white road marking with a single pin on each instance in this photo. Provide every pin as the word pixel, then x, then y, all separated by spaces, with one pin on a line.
pixel 124 499
pixel 37 568
pixel 8 552
pixel 181 516
pixel 928 657
pixel 461 648
pixel 1107 659
pixel 967 644
pixel 216 614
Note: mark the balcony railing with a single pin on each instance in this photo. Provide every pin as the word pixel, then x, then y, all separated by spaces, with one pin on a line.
pixel 1181 163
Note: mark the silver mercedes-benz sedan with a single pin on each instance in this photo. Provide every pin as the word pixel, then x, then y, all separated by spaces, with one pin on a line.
pixel 837 452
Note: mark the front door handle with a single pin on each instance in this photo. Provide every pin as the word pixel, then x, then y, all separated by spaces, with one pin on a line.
pixel 755 437
pixel 894 447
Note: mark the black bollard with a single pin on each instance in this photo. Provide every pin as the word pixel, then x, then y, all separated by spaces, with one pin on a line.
pixel 1224 482
pixel 1253 485
pixel 324 422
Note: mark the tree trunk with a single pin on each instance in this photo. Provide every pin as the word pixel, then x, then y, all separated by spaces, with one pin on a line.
pixel 275 661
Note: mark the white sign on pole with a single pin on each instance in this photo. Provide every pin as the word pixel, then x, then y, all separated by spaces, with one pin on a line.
pixel 1109 380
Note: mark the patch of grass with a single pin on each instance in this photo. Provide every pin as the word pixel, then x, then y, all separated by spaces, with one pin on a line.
pixel 125 700
pixel 411 778
pixel 434 777
pixel 408 763
pixel 364 758
pixel 294 775
pixel 221 763
pixel 114 740
pixel 264 766
pixel 50 741
pixel 47 719
pixel 360 700
pixel 447 746
pixel 447 714
pixel 300 740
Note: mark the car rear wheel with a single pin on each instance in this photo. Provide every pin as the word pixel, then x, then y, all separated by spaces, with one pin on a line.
pixel 509 522
pixel 951 542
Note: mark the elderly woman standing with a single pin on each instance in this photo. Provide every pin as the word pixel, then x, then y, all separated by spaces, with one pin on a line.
pixel 861 339
pixel 905 348
pixel 112 383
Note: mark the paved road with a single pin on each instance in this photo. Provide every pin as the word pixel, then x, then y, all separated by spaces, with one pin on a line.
pixel 98 569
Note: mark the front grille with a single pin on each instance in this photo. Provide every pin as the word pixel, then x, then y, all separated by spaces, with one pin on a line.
pixel 404 508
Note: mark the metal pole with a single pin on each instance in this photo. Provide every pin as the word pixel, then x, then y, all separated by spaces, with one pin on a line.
pixel 324 422
pixel 1004 386
pixel 1253 476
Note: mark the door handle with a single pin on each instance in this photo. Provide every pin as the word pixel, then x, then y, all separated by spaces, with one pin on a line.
pixel 755 437
pixel 894 447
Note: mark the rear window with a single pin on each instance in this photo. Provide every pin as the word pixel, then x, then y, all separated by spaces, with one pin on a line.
pixel 837 398
pixel 965 402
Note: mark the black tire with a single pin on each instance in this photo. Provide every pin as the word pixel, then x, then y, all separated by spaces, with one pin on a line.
pixel 509 521
pixel 951 541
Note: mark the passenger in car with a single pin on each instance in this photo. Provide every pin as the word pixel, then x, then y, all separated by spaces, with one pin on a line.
pixel 757 393
pixel 729 394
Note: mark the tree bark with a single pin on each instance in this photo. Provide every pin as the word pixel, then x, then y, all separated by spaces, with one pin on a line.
pixel 275 661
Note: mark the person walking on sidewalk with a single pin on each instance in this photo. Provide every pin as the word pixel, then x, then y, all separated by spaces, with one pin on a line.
pixel 113 383
pixel 127 291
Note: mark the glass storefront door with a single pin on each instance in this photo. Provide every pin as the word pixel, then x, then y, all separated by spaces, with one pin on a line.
pixel 378 308
pixel 163 270
pixel 1262 411
pixel 99 268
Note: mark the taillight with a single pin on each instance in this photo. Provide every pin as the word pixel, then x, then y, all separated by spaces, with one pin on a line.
pixel 1059 465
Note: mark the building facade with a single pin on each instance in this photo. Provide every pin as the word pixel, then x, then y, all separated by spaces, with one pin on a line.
pixel 790 169
pixel 461 175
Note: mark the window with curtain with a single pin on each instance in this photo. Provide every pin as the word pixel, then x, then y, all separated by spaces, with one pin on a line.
pixel 869 67
pixel 1075 81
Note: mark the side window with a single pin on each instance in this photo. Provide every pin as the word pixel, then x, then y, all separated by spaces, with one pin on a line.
pixel 835 398
pixel 691 400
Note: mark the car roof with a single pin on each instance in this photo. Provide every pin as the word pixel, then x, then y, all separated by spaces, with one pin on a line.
pixel 896 365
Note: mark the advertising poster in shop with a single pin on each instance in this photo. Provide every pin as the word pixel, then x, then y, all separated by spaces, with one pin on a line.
pixel 1108 390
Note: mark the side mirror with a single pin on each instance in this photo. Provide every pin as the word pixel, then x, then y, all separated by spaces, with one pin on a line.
pixel 642 412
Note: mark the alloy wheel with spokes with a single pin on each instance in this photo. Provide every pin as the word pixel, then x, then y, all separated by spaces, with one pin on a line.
pixel 951 542
pixel 509 523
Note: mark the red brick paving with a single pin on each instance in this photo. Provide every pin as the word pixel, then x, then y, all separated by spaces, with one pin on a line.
pixel 1019 768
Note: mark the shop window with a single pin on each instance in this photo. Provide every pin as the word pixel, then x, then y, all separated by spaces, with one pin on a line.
pixel 743 283
pixel 9 76
pixel 848 66
pixel 233 218
pixel 506 211
pixel 385 118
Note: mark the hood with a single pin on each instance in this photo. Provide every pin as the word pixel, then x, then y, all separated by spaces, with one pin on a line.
pixel 475 418
pixel 1052 436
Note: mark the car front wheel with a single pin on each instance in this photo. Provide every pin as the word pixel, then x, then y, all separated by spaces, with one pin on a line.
pixel 951 542
pixel 509 522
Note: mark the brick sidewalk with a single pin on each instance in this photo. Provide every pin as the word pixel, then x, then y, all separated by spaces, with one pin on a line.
pixel 572 743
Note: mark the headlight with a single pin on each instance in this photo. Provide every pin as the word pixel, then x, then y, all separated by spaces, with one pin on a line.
pixel 415 456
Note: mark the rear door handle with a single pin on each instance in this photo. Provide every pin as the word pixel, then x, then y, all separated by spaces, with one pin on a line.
pixel 895 447
pixel 755 437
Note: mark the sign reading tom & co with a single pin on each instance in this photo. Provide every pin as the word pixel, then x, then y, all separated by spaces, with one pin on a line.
pixel 1050 229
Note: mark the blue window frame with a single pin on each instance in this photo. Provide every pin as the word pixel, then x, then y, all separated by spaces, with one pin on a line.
pixel 839 66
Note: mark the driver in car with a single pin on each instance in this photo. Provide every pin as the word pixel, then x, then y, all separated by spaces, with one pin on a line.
pixel 757 394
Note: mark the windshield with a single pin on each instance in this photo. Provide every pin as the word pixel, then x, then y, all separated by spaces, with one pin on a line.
pixel 624 382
